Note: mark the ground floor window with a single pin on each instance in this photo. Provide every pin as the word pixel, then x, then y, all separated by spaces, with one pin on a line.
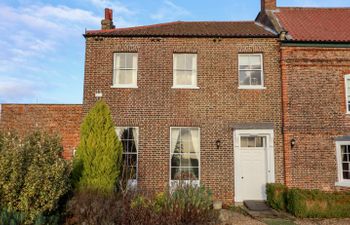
pixel 343 160
pixel 185 155
pixel 129 136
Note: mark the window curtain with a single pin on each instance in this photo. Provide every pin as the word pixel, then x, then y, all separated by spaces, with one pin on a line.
pixel 195 141
pixel 194 69
pixel 134 67
pixel 136 138
pixel 175 136
pixel 196 145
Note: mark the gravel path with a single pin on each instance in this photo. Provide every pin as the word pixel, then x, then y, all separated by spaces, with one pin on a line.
pixel 229 217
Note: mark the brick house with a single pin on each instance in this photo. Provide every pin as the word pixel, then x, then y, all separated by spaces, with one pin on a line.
pixel 229 105
pixel 315 68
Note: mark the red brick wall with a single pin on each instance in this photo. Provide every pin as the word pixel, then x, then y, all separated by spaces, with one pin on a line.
pixel 155 107
pixel 62 119
pixel 314 113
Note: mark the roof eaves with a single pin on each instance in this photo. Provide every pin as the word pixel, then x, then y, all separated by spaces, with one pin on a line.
pixel 182 36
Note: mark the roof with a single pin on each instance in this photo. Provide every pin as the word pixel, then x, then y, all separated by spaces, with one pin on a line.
pixel 315 24
pixel 190 29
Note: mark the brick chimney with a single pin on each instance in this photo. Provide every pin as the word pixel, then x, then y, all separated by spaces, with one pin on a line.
pixel 268 5
pixel 107 22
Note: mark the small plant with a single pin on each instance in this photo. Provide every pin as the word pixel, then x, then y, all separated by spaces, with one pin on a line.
pixel 94 207
pixel 19 218
pixel 186 205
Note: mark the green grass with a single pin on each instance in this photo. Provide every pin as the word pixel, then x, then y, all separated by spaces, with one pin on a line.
pixel 278 222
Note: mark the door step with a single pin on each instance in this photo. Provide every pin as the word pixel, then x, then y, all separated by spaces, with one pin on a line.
pixel 256 206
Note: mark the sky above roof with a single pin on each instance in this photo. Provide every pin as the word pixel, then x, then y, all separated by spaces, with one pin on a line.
pixel 42 47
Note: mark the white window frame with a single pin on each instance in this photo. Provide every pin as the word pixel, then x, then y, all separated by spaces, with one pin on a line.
pixel 175 183
pixel 116 85
pixel 262 72
pixel 132 182
pixel 194 84
pixel 346 80
pixel 341 182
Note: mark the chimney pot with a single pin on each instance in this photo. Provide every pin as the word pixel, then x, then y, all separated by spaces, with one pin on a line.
pixel 108 14
pixel 268 5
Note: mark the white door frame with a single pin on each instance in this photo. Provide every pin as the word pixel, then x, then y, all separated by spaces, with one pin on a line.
pixel 269 151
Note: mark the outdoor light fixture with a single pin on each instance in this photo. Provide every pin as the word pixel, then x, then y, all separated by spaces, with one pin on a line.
pixel 98 94
pixel 218 144
pixel 293 142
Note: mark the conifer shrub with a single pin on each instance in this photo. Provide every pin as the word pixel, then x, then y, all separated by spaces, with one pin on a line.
pixel 97 162
pixel 33 175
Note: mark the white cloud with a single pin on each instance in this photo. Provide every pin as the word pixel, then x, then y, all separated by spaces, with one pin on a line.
pixel 170 11
pixel 17 90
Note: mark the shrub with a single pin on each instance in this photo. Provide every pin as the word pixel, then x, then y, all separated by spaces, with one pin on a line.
pixel 93 207
pixel 315 203
pixel 186 205
pixel 33 175
pixel 98 158
pixel 308 203
pixel 276 196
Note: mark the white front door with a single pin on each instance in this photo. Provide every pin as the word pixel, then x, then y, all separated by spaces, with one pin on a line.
pixel 254 163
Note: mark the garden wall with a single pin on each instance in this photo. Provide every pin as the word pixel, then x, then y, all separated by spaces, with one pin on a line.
pixel 62 119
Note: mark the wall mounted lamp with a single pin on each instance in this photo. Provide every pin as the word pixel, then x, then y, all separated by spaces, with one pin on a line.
pixel 98 94
pixel 293 142
pixel 218 144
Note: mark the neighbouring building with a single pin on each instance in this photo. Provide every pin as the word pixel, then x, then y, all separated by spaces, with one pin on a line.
pixel 228 105
pixel 315 66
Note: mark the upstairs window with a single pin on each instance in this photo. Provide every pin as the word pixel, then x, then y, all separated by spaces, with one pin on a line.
pixel 347 93
pixel 185 71
pixel 250 71
pixel 125 70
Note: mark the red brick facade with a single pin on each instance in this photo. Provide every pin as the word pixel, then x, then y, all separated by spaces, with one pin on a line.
pixel 314 113
pixel 215 107
pixel 304 99
pixel 64 120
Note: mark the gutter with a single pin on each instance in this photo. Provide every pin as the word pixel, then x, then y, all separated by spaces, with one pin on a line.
pixel 321 44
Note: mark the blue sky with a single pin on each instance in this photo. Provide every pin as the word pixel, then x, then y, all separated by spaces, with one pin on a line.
pixel 42 47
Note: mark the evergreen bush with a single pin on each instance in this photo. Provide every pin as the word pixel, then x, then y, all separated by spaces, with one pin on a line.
pixel 33 175
pixel 97 162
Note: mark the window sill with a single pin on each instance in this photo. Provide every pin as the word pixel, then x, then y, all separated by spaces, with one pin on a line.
pixel 185 87
pixel 343 184
pixel 252 88
pixel 125 87
pixel 177 183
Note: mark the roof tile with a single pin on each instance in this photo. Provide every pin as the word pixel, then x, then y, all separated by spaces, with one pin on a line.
pixel 190 29
pixel 316 24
